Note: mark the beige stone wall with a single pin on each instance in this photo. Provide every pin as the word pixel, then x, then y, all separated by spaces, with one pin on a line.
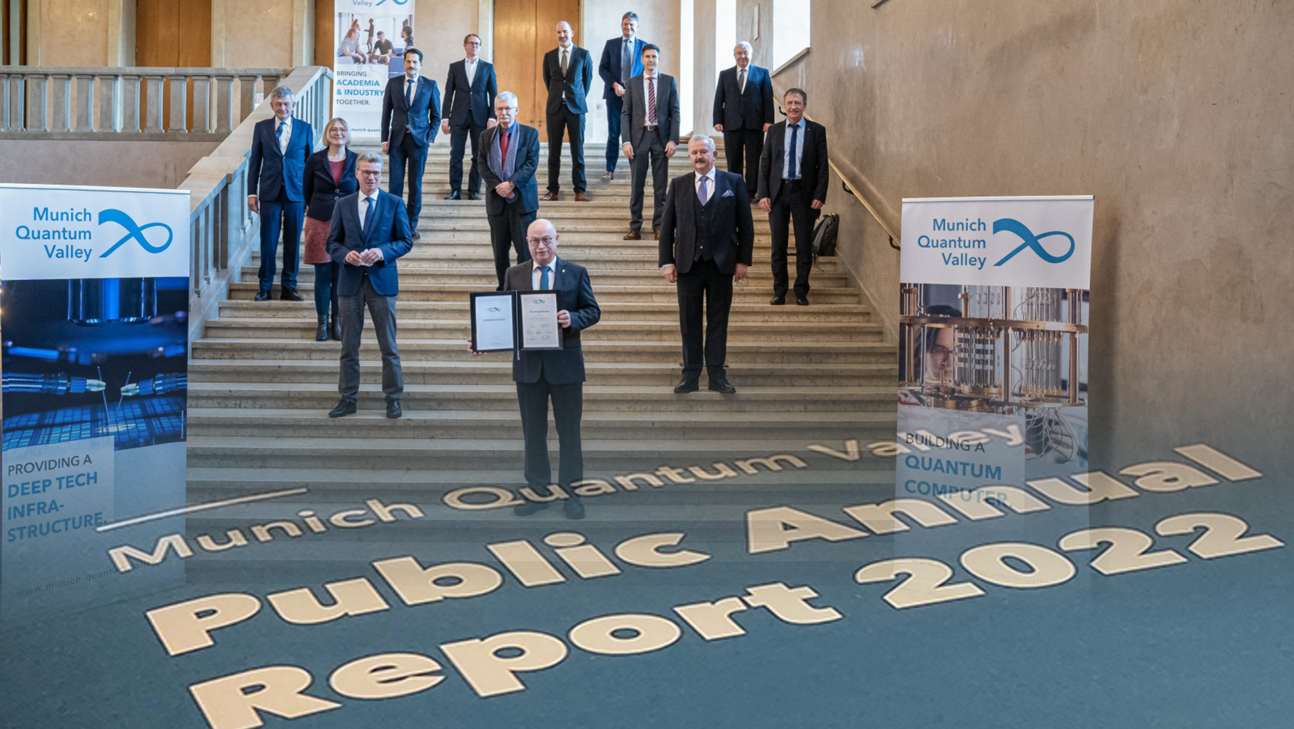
pixel 108 163
pixel 658 22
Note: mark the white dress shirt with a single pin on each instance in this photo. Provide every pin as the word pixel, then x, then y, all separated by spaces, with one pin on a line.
pixel 286 136
pixel 798 151
pixel 570 56
pixel 469 66
pixel 361 206
pixel 537 272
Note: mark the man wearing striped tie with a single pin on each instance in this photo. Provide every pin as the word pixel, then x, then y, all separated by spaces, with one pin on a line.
pixel 649 124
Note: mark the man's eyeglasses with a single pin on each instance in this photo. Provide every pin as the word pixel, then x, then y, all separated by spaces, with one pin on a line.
pixel 547 241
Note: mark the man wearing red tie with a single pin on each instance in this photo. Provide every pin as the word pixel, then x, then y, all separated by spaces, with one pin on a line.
pixel 650 123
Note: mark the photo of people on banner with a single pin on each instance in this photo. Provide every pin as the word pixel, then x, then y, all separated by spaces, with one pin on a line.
pixel 370 41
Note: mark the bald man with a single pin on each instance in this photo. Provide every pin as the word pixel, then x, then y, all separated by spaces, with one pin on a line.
pixel 568 71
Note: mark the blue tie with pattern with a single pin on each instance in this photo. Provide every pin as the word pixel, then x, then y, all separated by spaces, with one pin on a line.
pixel 702 194
pixel 543 279
pixel 626 63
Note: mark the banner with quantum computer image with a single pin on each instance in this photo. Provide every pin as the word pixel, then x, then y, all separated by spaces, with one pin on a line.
pixel 993 334
pixel 94 294
pixel 369 40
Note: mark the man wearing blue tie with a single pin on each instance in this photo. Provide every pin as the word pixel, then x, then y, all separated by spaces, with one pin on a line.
pixel 410 120
pixel 621 61
pixel 275 177
pixel 370 230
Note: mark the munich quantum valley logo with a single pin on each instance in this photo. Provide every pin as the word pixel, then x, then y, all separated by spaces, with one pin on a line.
pixel 69 234
pixel 960 250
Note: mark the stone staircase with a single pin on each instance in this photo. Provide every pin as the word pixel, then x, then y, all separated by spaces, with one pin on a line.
pixel 261 388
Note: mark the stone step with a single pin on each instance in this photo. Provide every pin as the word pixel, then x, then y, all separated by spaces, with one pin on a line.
pixel 477 424
pixel 495 372
pixel 663 291
pixel 431 273
pixel 740 354
pixel 320 397
pixel 596 256
pixel 847 314
pixel 782 332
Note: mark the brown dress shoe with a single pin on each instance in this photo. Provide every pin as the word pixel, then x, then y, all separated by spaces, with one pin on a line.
pixel 581 197
pixel 552 196
pixel 634 234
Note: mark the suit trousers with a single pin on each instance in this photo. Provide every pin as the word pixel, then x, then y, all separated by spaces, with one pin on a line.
pixel 792 204
pixel 382 309
pixel 568 408
pixel 615 105
pixel 652 152
pixel 286 217
pixel 408 155
pixel 706 288
pixel 751 144
pixel 508 230
pixel 565 121
pixel 458 137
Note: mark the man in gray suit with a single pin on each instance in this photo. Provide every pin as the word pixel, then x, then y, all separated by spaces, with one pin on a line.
pixel 649 124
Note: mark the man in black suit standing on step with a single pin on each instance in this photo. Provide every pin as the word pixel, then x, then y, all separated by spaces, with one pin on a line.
pixel 469 104
pixel 707 240
pixel 410 120
pixel 650 122
pixel 793 180
pixel 743 111
pixel 511 159
pixel 568 71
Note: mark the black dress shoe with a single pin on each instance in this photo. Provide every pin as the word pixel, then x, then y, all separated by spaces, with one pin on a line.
pixel 801 300
pixel 721 385
pixel 336 329
pixel 344 407
pixel 687 384
pixel 529 507
pixel 393 410
pixel 473 196
pixel 262 296
pixel 453 196
pixel 290 294
pixel 778 301
pixel 573 509
pixel 321 334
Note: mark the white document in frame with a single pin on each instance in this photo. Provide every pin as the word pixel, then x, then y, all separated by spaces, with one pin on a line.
pixel 493 320
pixel 539 329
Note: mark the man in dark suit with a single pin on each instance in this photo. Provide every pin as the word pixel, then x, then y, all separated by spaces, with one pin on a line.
pixel 621 61
pixel 469 102
pixel 556 374
pixel 650 121
pixel 707 240
pixel 511 159
pixel 793 178
pixel 743 111
pixel 275 176
pixel 369 231
pixel 568 71
pixel 410 120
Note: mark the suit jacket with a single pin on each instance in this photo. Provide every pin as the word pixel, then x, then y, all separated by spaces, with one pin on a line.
pixel 609 69
pixel 563 366
pixel 749 111
pixel 634 113
pixel 575 82
pixel 734 239
pixel 321 192
pixel 269 171
pixel 523 172
pixel 422 117
pixel 469 105
pixel 389 231
pixel 813 161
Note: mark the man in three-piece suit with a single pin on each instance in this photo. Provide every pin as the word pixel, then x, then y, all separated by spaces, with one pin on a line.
pixel 793 179
pixel 556 374
pixel 275 176
pixel 743 111
pixel 650 122
pixel 621 61
pixel 568 71
pixel 707 240
pixel 511 159
pixel 410 120
pixel 370 230
pixel 469 103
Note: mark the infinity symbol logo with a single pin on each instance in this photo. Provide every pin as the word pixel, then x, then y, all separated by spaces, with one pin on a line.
pixel 1031 241
pixel 134 231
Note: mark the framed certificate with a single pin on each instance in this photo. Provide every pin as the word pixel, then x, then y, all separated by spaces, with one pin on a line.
pixel 538 320
pixel 494 321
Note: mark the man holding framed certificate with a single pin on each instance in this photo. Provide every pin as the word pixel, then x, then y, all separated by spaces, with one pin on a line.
pixel 542 372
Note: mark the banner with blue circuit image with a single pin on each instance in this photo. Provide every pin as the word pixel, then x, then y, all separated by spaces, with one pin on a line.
pixel 94 294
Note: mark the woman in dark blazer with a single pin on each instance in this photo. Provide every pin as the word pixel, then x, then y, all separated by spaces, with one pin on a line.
pixel 329 175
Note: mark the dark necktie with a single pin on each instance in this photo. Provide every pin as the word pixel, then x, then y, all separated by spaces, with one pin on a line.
pixel 651 101
pixel 626 62
pixel 563 61
pixel 742 81
pixel 791 172
pixel 543 279
pixel 408 95
pixel 368 213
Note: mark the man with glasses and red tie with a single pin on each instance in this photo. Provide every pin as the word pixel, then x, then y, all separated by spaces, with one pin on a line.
pixel 650 121
pixel 511 158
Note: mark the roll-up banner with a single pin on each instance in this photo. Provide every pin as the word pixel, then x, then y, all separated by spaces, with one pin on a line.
pixel 369 40
pixel 94 293
pixel 992 347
